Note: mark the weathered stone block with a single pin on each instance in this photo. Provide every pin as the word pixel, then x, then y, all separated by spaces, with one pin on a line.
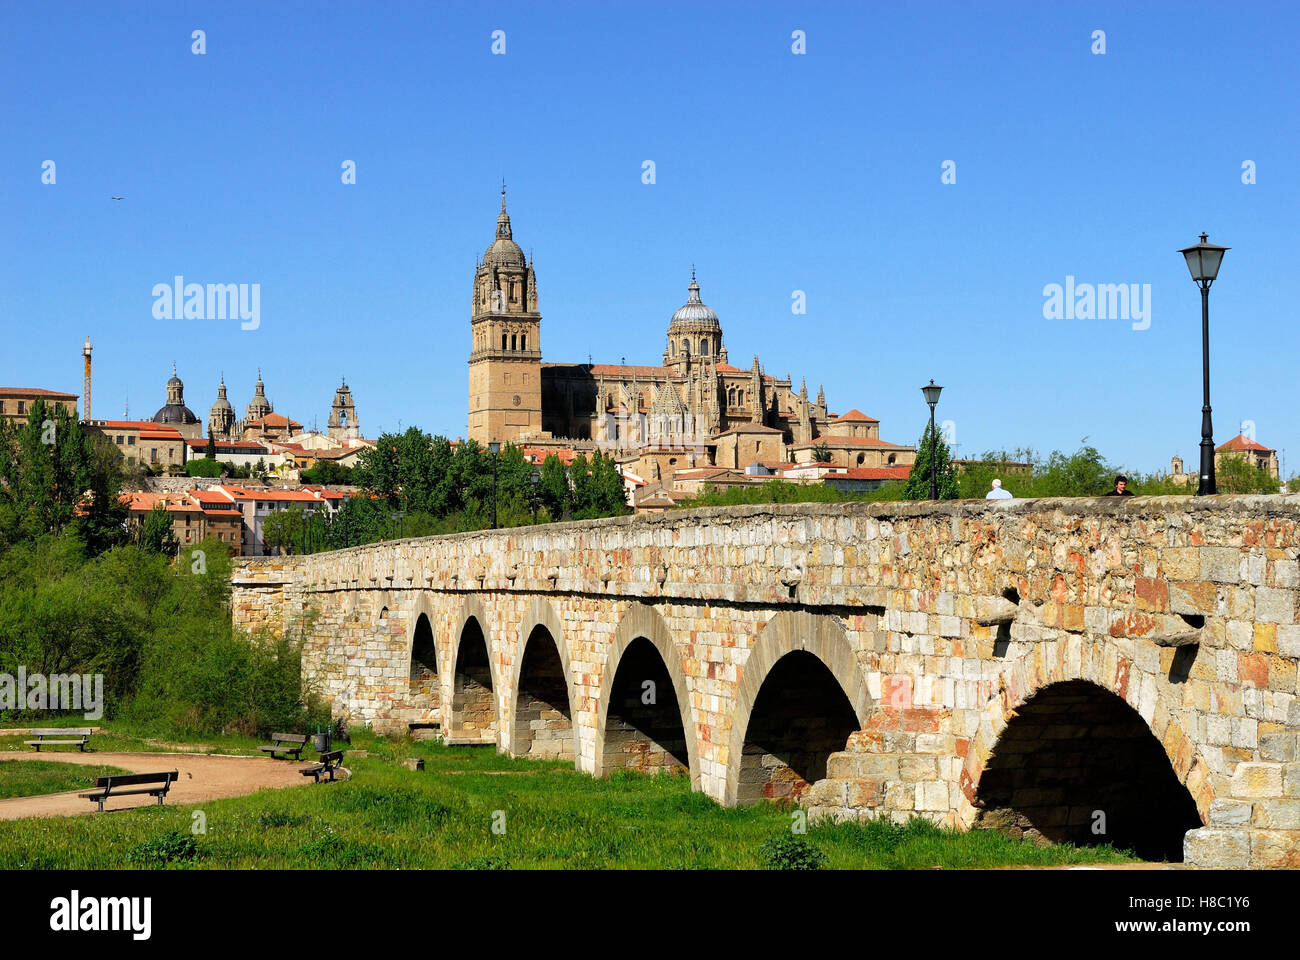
pixel 1217 848
pixel 1257 780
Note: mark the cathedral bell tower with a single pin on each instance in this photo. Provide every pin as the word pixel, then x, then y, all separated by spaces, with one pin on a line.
pixel 505 361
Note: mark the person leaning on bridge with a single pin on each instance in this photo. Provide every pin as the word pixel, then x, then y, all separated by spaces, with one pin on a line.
pixel 997 493
pixel 1121 487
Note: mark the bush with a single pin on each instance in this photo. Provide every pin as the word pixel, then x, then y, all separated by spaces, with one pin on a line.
pixel 204 468
pixel 170 847
pixel 786 851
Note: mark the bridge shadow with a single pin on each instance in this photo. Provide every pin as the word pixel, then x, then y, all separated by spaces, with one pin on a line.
pixel 643 728
pixel 543 719
pixel 424 692
pixel 473 704
pixel 1077 764
pixel 800 717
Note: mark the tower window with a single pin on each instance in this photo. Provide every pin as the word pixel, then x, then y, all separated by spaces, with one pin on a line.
pixel 686 348
pixel 704 348
pixel 504 339
pixel 513 340
pixel 523 341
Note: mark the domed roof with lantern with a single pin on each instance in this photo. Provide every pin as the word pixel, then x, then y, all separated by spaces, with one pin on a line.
pixel 694 316
pixel 503 251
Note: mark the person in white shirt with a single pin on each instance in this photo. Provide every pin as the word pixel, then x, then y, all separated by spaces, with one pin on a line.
pixel 997 493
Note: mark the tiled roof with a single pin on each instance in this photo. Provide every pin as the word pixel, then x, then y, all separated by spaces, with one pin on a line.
pixel 125 424
pixel 273 420
pixel 35 392
pixel 856 416
pixel 833 441
pixel 230 446
pixel 750 428
pixel 1243 443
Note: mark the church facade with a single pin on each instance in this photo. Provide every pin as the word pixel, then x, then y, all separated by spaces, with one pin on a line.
pixel 694 408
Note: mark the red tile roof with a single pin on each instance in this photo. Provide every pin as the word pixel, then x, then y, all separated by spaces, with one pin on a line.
pixel 833 441
pixel 35 392
pixel 126 424
pixel 1243 443
pixel 750 428
pixel 856 416
pixel 273 420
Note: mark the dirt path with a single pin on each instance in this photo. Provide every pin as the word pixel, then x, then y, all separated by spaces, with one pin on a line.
pixel 202 777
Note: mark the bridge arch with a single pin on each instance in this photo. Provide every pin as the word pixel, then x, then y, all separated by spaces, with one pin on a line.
pixel 642 648
pixel 795 649
pixel 542 720
pixel 473 678
pixel 1061 747
pixel 425 662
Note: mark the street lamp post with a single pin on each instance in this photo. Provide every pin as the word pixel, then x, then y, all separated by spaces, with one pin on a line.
pixel 931 394
pixel 1203 261
pixel 494 448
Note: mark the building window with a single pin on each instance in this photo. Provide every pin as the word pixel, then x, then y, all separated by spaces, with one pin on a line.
pixel 513 342
pixel 130 441
pixel 22 406
pixel 119 439
pixel 704 348
pixel 891 459
pixel 523 341
pixel 862 458
pixel 504 339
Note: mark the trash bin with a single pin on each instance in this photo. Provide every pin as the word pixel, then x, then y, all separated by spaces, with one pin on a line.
pixel 322 742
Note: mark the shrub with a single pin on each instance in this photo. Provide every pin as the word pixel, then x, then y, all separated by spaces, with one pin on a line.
pixel 170 847
pixel 786 851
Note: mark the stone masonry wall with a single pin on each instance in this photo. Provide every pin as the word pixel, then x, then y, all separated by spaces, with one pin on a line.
pixel 938 622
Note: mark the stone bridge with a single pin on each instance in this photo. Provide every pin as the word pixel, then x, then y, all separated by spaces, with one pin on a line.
pixel 1083 670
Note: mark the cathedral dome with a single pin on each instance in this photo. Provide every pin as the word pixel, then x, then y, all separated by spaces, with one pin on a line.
pixel 694 315
pixel 175 413
pixel 174 410
pixel 504 252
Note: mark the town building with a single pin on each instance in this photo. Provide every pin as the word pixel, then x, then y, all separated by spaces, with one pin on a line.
pixel 15 402
pixel 195 516
pixel 144 441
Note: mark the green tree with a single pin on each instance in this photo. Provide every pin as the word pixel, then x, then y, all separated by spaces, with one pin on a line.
pixel 326 473
pixel 210 452
pixel 1235 474
pixel 283 529
pixel 154 533
pixel 553 488
pixel 822 453
pixel 918 481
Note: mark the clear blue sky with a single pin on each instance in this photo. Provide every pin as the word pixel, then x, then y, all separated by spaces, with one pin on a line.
pixel 775 173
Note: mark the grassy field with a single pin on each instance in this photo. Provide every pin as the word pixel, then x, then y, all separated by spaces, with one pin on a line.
pixel 546 815
pixel 29 778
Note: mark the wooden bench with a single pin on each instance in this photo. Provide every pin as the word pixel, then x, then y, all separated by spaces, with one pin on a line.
pixel 290 744
pixel 154 784
pixel 43 737
pixel 329 762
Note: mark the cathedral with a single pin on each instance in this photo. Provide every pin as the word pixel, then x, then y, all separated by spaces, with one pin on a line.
pixel 693 409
